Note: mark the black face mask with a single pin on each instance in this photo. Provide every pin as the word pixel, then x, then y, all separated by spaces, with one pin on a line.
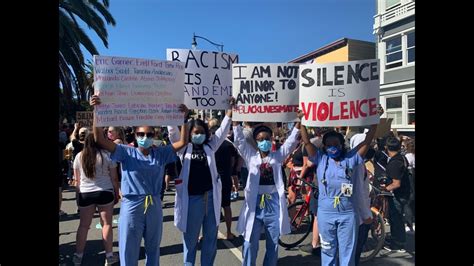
pixel 82 137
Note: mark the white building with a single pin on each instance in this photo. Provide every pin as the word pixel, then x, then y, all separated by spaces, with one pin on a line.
pixel 394 29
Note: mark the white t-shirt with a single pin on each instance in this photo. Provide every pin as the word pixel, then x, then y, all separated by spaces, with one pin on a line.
pixel 411 160
pixel 102 180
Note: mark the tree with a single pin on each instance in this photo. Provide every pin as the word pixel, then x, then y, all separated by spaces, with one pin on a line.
pixel 72 75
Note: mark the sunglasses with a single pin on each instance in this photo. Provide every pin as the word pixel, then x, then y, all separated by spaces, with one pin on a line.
pixel 148 135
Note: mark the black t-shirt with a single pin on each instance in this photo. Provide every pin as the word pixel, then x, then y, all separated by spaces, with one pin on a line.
pixel 224 156
pixel 200 179
pixel 380 159
pixel 78 146
pixel 266 174
pixel 298 156
pixel 396 169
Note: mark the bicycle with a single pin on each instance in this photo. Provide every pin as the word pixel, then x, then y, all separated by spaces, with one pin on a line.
pixel 376 238
pixel 302 222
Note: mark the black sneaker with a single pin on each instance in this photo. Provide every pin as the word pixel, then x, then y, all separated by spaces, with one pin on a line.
pixel 308 249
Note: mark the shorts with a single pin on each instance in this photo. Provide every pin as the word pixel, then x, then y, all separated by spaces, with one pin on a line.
pixel 99 198
pixel 226 190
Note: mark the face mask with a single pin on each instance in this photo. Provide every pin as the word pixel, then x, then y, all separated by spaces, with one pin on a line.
pixel 333 151
pixel 109 135
pixel 198 138
pixel 144 142
pixel 264 145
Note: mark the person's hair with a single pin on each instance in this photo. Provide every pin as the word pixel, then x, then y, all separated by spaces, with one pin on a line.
pixel 381 141
pixel 333 133
pixel 198 122
pixel 137 127
pixel 393 144
pixel 259 129
pixel 213 129
pixel 410 146
pixel 213 122
pixel 89 156
pixel 120 132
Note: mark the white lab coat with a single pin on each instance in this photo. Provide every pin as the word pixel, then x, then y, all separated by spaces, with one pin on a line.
pixel 181 196
pixel 253 161
pixel 361 192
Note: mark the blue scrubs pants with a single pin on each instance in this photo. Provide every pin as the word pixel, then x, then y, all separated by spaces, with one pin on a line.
pixel 268 218
pixel 135 224
pixel 338 231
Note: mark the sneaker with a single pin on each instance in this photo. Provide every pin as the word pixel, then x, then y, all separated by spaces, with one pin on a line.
pixel 76 260
pixel 394 249
pixel 308 249
pixel 168 190
pixel 111 260
pixel 61 213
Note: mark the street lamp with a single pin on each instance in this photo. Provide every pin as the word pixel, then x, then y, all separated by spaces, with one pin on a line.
pixel 194 45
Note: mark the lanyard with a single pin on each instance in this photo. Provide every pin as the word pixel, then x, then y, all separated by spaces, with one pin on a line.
pixel 324 181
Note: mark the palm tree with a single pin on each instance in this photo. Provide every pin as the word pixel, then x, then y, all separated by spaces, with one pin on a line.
pixel 72 75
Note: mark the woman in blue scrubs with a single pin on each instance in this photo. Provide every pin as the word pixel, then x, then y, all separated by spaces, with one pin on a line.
pixel 141 215
pixel 337 217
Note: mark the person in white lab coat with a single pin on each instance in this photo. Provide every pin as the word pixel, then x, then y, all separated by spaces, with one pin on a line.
pixel 198 189
pixel 265 203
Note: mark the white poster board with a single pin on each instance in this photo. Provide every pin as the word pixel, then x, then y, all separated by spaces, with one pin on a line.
pixel 208 77
pixel 265 92
pixel 340 94
pixel 138 92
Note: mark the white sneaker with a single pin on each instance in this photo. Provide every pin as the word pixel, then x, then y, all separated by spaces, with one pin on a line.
pixel 111 260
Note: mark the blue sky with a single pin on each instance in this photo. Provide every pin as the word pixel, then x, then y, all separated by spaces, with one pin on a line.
pixel 259 31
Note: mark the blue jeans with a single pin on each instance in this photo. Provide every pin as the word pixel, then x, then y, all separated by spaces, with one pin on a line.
pixel 200 212
pixel 268 218
pixel 135 224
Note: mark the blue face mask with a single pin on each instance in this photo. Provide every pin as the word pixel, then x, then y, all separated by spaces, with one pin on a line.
pixel 198 138
pixel 144 142
pixel 333 151
pixel 264 145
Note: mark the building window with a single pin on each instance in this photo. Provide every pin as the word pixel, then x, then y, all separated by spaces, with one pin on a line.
pixel 389 4
pixel 411 47
pixel 393 52
pixel 394 109
pixel 400 50
pixel 411 109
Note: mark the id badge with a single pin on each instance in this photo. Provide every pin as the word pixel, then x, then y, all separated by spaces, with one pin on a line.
pixel 346 189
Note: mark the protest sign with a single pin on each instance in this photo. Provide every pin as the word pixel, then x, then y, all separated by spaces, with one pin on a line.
pixel 85 118
pixel 138 92
pixel 340 94
pixel 208 77
pixel 265 92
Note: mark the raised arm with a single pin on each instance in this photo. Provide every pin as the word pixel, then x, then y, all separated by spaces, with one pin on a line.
pixel 75 132
pixel 183 140
pixel 363 147
pixel 245 149
pixel 221 132
pixel 99 137
pixel 310 148
pixel 290 143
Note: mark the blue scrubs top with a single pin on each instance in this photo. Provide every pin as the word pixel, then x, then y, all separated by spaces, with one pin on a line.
pixel 335 174
pixel 142 175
